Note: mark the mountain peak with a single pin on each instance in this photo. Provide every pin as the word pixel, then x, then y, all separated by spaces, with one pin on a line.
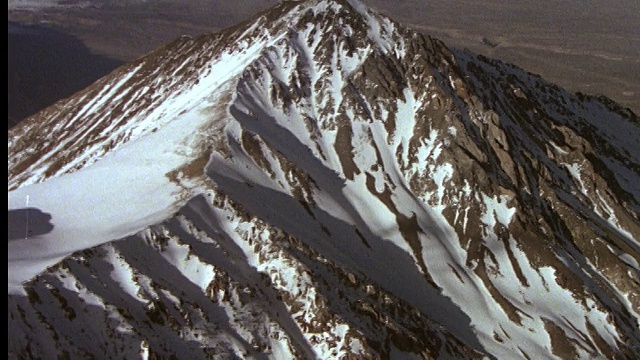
pixel 321 182
pixel 189 62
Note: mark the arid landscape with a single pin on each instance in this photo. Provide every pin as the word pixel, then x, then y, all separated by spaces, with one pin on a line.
pixel 591 47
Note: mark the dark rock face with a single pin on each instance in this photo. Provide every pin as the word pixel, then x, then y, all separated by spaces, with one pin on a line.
pixel 365 192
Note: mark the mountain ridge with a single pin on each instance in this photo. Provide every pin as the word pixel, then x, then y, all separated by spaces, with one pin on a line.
pixel 340 151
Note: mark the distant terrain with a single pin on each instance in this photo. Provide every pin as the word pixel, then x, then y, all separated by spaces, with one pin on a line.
pixel 591 47
pixel 45 65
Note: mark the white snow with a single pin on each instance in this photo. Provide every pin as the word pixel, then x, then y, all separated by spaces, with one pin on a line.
pixel 625 257
pixel 497 210
pixel 121 192
pixel 630 260
pixel 70 282
pixel 574 170
pixel 439 175
pixel 123 274
pixel 558 149
pixel 610 216
pixel 405 123
pixel 118 196
pixel 325 5
pixel 124 192
pixel 144 350
pixel 377 31
pixel 197 271
pixel 383 221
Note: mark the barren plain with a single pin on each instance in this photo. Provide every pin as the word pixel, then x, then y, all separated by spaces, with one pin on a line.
pixel 591 47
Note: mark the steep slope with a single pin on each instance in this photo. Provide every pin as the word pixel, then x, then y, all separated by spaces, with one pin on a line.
pixel 324 183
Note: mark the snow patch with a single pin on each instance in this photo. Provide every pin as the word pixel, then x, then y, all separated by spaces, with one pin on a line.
pixel 496 209
pixel 123 274
pixel 574 170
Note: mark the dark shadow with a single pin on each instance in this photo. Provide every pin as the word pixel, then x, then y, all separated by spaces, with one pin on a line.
pixel 230 257
pixel 152 264
pixel 341 244
pixel 518 118
pixel 355 247
pixel 45 65
pixel 28 222
pixel 79 325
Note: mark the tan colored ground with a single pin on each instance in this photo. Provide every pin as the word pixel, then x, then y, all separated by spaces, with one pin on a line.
pixel 592 47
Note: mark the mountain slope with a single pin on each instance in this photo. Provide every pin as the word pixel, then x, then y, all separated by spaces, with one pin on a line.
pixel 322 182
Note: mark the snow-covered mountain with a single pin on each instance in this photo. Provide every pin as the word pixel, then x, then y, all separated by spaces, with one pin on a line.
pixel 321 182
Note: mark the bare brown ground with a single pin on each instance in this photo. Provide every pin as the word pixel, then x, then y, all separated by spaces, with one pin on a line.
pixel 589 47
